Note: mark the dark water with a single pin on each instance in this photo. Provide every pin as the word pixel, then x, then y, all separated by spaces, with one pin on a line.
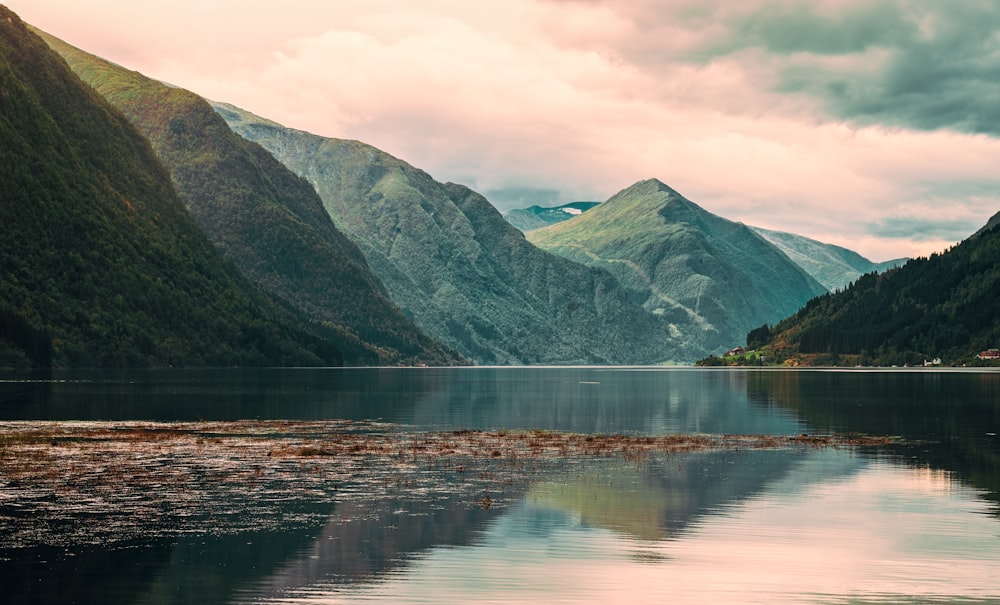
pixel 918 522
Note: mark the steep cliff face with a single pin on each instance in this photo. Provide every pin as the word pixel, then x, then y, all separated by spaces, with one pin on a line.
pixel 266 220
pixel 711 279
pixel 454 265
pixel 101 263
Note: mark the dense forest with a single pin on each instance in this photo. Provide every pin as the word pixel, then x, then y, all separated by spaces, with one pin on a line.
pixel 943 307
pixel 100 263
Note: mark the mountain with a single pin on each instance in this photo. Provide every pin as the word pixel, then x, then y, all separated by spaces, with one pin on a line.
pixel 712 279
pixel 100 263
pixel 536 217
pixel 832 266
pixel 945 306
pixel 993 222
pixel 267 221
pixel 454 265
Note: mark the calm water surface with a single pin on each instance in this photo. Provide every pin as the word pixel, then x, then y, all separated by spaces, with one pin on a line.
pixel 915 523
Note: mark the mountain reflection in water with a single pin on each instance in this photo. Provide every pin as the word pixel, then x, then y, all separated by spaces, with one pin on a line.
pixel 917 522
pixel 825 526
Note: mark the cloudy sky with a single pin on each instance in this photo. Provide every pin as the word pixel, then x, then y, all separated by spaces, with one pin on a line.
pixel 873 124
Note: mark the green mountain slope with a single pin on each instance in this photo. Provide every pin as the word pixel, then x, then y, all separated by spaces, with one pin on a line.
pixel 945 306
pixel 832 266
pixel 266 220
pixel 457 267
pixel 710 278
pixel 100 263
pixel 536 217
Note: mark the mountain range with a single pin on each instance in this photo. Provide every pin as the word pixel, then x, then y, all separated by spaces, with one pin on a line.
pixel 144 225
pixel 832 266
pixel 453 264
pixel 267 221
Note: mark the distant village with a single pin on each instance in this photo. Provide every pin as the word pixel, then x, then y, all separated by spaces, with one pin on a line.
pixel 987 355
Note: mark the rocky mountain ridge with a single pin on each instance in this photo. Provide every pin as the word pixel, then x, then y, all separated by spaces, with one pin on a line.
pixel 453 264
pixel 831 265
pixel 710 279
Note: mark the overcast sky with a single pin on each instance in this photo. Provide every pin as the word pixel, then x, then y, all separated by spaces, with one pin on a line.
pixel 870 124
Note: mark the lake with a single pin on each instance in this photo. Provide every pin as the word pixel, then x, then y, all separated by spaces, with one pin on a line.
pixel 220 486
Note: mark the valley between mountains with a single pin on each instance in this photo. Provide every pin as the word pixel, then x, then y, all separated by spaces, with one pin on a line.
pixel 146 226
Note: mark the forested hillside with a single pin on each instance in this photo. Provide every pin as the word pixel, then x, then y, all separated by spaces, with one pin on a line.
pixel 266 220
pixel 946 306
pixel 100 263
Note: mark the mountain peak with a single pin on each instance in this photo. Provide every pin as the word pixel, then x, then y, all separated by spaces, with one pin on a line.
pixel 704 276
pixel 651 199
pixel 650 186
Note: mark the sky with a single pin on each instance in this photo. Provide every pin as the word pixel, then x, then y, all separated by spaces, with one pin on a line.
pixel 871 124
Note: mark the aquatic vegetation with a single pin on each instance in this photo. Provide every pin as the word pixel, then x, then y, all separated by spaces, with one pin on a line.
pixel 72 483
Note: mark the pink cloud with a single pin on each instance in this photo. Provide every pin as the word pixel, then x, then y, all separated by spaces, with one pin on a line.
pixel 581 97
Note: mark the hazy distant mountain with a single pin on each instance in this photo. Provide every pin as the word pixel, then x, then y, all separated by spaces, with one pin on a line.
pixel 454 265
pixel 945 306
pixel 265 219
pixel 832 266
pixel 535 217
pixel 711 279
pixel 100 263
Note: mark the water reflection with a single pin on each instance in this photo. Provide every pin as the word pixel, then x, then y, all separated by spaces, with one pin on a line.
pixel 659 499
pixel 199 568
pixel 828 528
pixel 215 394
pixel 600 400
pixel 653 500
pixel 583 400
pixel 365 542
pixel 951 419
pixel 913 524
